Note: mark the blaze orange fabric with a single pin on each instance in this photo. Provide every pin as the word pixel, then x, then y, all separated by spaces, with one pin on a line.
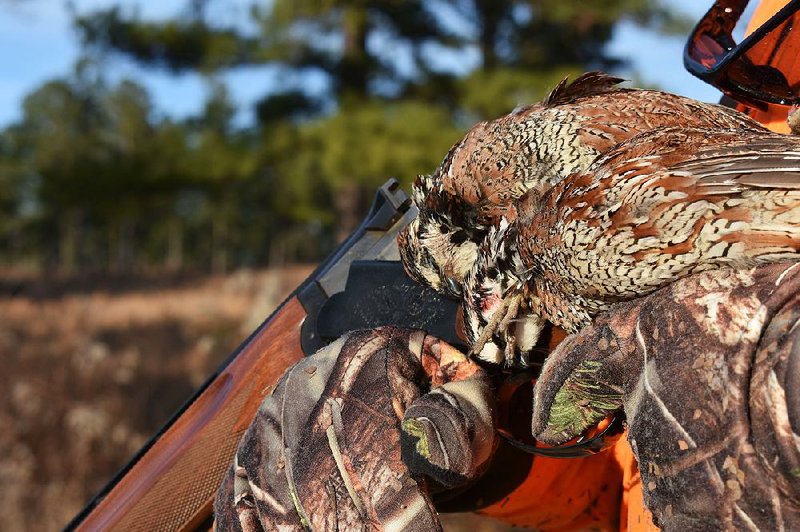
pixel 775 115
pixel 565 494
pixel 600 492
pixel 633 514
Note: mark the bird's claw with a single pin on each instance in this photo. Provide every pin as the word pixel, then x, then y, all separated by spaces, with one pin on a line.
pixel 499 324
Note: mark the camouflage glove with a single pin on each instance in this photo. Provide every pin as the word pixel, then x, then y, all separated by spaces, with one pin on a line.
pixel 708 373
pixel 327 451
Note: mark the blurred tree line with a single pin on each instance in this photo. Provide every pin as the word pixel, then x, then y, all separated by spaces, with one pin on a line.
pixel 93 178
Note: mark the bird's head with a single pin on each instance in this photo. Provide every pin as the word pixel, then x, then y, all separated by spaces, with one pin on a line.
pixel 440 245
pixel 475 185
pixel 437 254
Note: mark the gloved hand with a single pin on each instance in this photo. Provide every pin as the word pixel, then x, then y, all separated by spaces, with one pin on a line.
pixel 708 373
pixel 356 436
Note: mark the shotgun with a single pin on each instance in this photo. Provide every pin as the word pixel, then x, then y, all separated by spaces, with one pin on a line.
pixel 170 483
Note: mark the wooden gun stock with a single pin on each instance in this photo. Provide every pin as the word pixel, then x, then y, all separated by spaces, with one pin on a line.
pixel 171 486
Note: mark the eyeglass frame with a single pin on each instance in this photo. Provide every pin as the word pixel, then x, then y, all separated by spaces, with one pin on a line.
pixel 717 75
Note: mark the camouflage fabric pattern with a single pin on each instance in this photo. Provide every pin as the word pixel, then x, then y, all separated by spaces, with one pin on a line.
pixel 326 450
pixel 708 372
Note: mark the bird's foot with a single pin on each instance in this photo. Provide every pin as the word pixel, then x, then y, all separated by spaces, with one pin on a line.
pixel 485 347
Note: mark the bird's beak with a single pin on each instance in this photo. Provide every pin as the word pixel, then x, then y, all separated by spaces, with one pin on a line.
pixel 453 287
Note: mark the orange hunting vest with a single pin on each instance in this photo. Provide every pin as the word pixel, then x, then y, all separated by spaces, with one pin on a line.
pixel 775 116
pixel 601 492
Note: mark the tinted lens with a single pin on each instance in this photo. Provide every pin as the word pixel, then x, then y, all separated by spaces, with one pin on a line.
pixel 707 50
pixel 771 66
pixel 711 40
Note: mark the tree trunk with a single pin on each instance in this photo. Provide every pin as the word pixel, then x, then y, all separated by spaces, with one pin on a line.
pixel 127 251
pixel 490 13
pixel 348 202
pixel 121 246
pixel 219 244
pixel 175 245
pixel 68 244
pixel 277 251
pixel 354 66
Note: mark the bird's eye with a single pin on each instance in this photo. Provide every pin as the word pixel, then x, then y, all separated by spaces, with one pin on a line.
pixel 454 287
pixel 459 237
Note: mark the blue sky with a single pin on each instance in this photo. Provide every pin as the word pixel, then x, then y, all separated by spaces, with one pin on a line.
pixel 38 43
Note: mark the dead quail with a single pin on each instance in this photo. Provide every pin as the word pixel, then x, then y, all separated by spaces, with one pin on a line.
pixel 533 147
pixel 658 207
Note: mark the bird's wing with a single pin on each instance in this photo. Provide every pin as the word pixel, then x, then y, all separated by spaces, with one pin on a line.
pixel 761 162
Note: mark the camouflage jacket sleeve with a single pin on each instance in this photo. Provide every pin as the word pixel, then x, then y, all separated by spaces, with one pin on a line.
pixel 350 437
pixel 708 372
